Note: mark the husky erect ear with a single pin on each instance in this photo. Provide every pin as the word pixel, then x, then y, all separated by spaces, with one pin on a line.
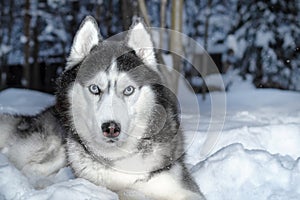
pixel 85 39
pixel 139 39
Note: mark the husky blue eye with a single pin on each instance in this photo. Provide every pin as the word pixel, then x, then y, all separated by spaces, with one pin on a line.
pixel 129 90
pixel 94 89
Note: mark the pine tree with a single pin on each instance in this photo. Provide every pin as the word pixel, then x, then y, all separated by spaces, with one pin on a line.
pixel 270 32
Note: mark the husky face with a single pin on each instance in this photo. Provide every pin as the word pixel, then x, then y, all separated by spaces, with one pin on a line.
pixel 112 99
pixel 115 104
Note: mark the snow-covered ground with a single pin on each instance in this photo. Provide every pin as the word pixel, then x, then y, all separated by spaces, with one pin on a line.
pixel 255 156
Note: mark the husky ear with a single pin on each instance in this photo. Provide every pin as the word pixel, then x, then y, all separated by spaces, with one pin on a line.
pixel 85 39
pixel 139 39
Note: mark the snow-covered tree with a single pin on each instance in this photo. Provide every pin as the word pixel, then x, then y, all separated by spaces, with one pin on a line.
pixel 268 33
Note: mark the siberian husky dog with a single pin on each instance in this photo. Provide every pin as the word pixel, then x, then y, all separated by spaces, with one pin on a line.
pixel 119 120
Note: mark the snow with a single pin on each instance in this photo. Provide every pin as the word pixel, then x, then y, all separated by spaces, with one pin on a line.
pixel 264 37
pixel 231 43
pixel 22 101
pixel 4 49
pixel 235 172
pixel 76 189
pixel 255 156
pixel 14 185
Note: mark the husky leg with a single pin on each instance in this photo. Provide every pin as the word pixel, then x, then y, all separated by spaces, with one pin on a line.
pixel 48 158
pixel 166 187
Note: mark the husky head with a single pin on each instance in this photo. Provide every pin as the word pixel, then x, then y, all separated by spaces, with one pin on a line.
pixel 114 91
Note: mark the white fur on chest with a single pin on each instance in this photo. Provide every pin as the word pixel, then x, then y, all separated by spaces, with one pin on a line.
pixel 87 167
pixel 165 185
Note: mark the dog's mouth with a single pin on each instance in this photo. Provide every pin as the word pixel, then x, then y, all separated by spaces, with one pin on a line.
pixel 111 141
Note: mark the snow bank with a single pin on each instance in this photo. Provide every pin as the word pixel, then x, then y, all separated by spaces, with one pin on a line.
pixel 14 186
pixel 235 173
pixel 76 189
pixel 256 156
pixel 23 101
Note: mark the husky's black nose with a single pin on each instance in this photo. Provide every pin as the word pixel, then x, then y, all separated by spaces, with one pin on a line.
pixel 111 129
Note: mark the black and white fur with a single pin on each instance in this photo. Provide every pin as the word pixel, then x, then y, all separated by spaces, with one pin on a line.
pixel 33 143
pixel 108 81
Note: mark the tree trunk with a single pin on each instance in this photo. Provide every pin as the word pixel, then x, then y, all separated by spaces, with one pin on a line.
pixel 168 77
pixel 127 14
pixel 176 40
pixel 1 40
pixel 27 19
pixel 143 9
pixel 9 37
pixel 162 22
pixel 109 18
pixel 75 5
pixel 259 74
pixel 35 78
pixel 98 9
pixel 205 57
pixel 7 41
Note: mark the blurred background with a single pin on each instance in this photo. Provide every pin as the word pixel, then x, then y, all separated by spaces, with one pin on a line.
pixel 260 39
